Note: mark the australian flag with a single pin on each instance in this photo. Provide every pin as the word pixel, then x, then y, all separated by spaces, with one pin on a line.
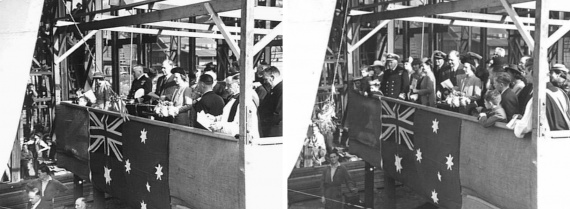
pixel 420 148
pixel 106 153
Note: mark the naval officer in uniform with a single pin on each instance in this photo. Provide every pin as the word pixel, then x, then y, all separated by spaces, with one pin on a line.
pixel 396 81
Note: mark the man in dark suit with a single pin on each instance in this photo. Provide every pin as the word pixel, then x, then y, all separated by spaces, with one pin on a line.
pixel 36 201
pixel 45 186
pixel 270 111
pixel 165 85
pixel 141 81
pixel 261 87
pixel 438 66
pixel 210 102
pixel 396 81
pixel 509 100
pixel 454 71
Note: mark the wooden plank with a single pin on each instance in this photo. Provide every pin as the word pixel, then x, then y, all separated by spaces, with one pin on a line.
pixel 77 45
pixel 558 34
pixel 205 27
pixel 479 16
pixel 161 15
pixel 520 27
pixel 432 9
pixel 259 13
pixel 370 34
pixel 464 23
pixel 268 38
pixel 168 32
pixel 247 195
pixel 222 27
pixel 194 159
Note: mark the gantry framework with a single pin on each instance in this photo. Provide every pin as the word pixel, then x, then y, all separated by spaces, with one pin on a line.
pixel 539 32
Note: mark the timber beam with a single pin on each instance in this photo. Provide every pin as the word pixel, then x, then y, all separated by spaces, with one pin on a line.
pixel 162 15
pixel 558 34
pixel 222 27
pixel 278 30
pixel 370 34
pixel 433 9
pixel 515 17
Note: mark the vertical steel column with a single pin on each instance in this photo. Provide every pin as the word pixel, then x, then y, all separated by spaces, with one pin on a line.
pixel 406 37
pixel 483 51
pixel 115 75
pixel 192 59
pixel 431 35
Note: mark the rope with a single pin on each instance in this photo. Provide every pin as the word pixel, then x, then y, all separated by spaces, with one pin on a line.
pixel 328 199
pixel 82 36
pixel 339 48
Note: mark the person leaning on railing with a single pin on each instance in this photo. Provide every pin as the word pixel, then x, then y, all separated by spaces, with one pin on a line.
pixel 557 105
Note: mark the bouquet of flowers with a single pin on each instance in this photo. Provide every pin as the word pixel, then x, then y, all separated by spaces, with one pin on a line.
pixel 457 99
pixel 165 109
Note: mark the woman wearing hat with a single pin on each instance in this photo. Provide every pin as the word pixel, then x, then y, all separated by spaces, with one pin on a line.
pixel 182 97
pixel 425 87
pixel 516 72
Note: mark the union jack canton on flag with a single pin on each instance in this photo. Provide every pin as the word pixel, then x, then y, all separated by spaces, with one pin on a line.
pixel 397 123
pixel 106 132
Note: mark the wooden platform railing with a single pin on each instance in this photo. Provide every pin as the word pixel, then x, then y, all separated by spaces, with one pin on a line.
pixel 203 166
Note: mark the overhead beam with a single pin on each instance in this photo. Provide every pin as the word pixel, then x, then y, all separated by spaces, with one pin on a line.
pixel 203 27
pixel 468 15
pixel 558 34
pixel 278 30
pixel 161 15
pixel 178 25
pixel 376 4
pixel 260 13
pixel 112 9
pixel 520 27
pixel 433 9
pixel 168 32
pixel 222 27
pixel 370 34
pixel 464 23
pixel 561 6
pixel 81 42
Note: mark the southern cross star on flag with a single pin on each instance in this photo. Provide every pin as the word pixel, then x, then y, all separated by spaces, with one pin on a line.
pixel 146 165
pixel 129 160
pixel 106 153
pixel 421 149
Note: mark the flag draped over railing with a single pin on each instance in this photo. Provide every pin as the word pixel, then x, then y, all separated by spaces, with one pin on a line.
pixel 421 149
pixel 129 160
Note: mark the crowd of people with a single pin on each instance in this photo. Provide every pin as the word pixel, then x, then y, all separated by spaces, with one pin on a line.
pixel 493 92
pixel 203 101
